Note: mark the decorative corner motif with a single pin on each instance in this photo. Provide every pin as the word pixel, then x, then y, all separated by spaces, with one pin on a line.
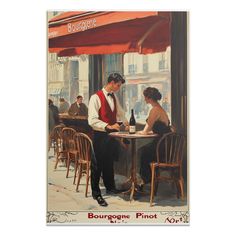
pixel 61 217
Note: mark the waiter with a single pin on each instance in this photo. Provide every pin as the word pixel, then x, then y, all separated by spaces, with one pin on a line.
pixel 103 113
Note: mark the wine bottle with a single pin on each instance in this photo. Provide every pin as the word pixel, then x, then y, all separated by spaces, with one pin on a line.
pixel 132 123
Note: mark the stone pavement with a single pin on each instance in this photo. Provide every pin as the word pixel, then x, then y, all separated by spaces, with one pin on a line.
pixel 61 194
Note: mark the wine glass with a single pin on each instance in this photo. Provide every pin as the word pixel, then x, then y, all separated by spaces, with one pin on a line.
pixel 119 122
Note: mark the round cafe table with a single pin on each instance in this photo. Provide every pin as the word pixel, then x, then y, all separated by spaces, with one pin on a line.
pixel 133 138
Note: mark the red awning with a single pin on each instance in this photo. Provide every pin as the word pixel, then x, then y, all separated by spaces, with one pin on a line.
pixel 73 33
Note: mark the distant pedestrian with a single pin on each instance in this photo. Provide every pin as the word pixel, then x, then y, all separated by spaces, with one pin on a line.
pixel 63 106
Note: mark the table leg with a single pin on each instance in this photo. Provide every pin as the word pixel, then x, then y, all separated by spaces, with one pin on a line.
pixel 132 178
pixel 133 168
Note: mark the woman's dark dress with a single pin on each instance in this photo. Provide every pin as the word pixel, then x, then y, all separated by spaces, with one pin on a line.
pixel 148 152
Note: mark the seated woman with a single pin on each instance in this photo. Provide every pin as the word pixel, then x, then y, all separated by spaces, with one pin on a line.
pixel 157 122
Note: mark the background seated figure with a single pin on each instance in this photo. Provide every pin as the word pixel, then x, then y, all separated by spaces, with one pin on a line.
pixel 63 106
pixel 78 108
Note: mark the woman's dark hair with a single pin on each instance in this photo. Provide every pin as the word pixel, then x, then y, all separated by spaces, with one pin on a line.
pixel 116 77
pixel 152 93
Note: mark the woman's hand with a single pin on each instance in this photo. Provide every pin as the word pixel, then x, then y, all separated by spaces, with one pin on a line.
pixel 141 132
pixel 144 132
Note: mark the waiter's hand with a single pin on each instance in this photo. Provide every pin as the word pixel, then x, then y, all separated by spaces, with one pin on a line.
pixel 112 127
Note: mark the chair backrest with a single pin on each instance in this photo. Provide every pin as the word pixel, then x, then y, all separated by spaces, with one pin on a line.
pixel 84 146
pixel 55 135
pixel 68 139
pixel 56 132
pixel 170 148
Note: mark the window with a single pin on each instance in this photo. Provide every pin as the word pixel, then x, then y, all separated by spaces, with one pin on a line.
pixel 145 67
pixel 163 62
pixel 142 71
pixel 112 64
pixel 145 64
pixel 132 69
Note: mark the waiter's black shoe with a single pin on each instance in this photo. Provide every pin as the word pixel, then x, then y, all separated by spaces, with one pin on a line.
pixel 113 191
pixel 100 201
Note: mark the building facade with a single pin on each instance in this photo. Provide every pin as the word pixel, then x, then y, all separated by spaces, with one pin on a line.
pixel 69 77
pixel 142 71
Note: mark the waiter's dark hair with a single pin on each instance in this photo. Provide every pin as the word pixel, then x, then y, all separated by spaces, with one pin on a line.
pixel 152 93
pixel 116 77
pixel 79 96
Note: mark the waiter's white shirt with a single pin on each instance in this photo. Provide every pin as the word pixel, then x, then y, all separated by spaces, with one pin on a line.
pixel 95 105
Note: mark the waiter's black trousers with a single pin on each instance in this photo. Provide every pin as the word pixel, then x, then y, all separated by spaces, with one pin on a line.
pixel 106 151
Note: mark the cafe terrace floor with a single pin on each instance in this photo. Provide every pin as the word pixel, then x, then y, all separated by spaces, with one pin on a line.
pixel 61 194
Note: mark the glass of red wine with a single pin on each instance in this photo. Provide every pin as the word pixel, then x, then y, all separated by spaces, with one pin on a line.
pixel 119 122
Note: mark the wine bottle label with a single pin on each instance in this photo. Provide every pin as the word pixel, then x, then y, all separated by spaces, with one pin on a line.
pixel 132 129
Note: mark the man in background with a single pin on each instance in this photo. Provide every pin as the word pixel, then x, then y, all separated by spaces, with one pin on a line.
pixel 78 108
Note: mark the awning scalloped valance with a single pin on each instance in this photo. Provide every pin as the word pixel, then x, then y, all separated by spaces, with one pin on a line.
pixel 76 33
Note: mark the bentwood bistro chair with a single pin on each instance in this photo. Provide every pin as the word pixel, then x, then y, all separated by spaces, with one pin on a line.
pixel 169 152
pixel 84 147
pixel 68 146
pixel 56 142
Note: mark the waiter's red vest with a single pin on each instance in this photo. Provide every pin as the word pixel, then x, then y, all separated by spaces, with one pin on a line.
pixel 105 112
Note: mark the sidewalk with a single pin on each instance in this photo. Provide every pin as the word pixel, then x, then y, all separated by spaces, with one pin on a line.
pixel 61 194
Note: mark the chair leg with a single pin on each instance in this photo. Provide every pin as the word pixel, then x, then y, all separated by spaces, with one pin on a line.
pixel 54 148
pixel 68 165
pixel 57 160
pixel 181 186
pixel 87 178
pixel 76 168
pixel 79 176
pixel 152 182
pixel 177 188
pixel 49 144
